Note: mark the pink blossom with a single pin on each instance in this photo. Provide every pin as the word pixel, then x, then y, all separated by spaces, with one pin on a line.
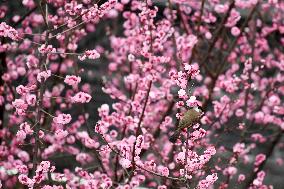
pixel 241 178
pixel 259 117
pixel 198 134
pixel 20 105
pixel 40 134
pixel 72 80
pixel 182 93
pixel 32 61
pixel 221 8
pixel 52 187
pixel 192 102
pixel 158 60
pixel 24 156
pixel 8 31
pixel 46 49
pixel 274 100
pixel 23 169
pixel 42 76
pixel 22 90
pixel 163 171
pixel 60 134
pixel 62 119
pixel 21 135
pixel 233 18
pixel 125 163
pixel 230 171
pixel 260 177
pixel 239 148
pixel 210 179
pixel 259 159
pixel 239 112
pixel 26 128
pixel 90 54
pixel 81 97
pixel 278 110
pixel 162 187
pixel 258 137
pixel 24 179
pixel 235 31
pixel 31 99
pixel 28 3
pixel 83 158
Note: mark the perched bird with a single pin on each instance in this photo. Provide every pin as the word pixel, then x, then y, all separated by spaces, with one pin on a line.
pixel 191 117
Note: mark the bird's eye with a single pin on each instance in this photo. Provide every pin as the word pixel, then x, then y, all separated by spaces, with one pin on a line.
pixel 200 108
pixel 197 109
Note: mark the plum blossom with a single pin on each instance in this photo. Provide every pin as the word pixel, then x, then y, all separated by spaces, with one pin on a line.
pixel 21 135
pixel 191 70
pixel 60 134
pixel 81 97
pixel 241 178
pixel 186 50
pixel 42 76
pixel 235 31
pixel 41 170
pixel 26 128
pixel 182 93
pixel 32 61
pixel 72 80
pixel 45 49
pixel 125 163
pixel 90 54
pixel 239 148
pixel 23 169
pixel 8 31
pixel 22 90
pixel 25 180
pixel 192 102
pixel 20 105
pixel 62 119
pixel 210 179
pixel 31 99
pixel 83 158
pixel 163 170
pixel 260 177
pixel 230 171
pixel 259 159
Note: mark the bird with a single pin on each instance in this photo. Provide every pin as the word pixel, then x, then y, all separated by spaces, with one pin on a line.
pixel 191 117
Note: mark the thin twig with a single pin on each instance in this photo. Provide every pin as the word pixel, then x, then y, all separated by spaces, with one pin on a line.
pixel 268 153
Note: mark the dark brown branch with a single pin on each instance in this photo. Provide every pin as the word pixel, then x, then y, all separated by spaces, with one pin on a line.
pixel 140 122
pixel 38 111
pixel 216 36
pixel 3 69
pixel 232 46
pixel 268 154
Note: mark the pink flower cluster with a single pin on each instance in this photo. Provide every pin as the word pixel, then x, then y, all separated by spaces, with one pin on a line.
pixel 21 106
pixel 209 181
pixel 40 174
pixel 8 31
pixel 43 76
pixel 90 54
pixel 159 60
pixel 81 97
pixel 72 80
pixel 62 119
pixel 45 49
pixel 25 129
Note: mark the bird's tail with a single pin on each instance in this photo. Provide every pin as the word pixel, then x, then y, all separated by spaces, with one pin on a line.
pixel 174 137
